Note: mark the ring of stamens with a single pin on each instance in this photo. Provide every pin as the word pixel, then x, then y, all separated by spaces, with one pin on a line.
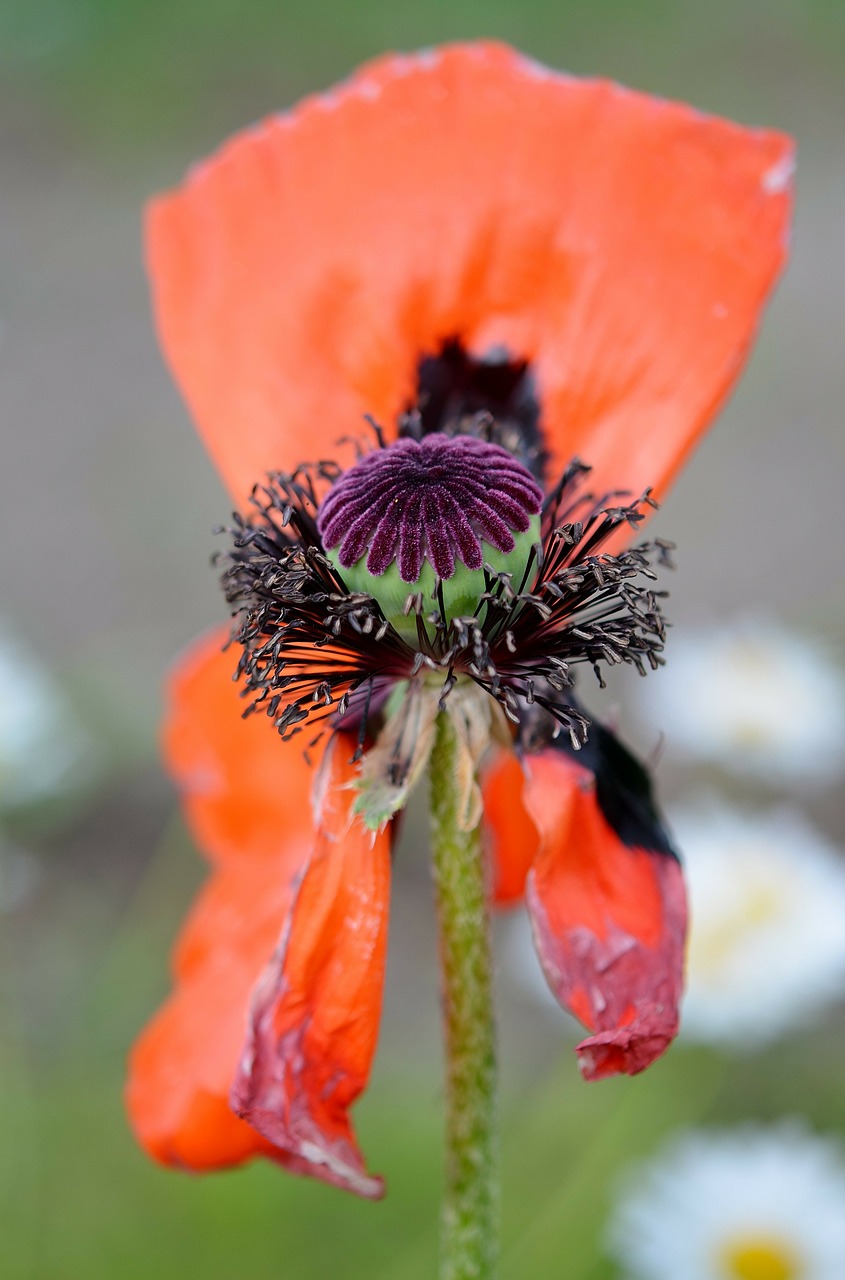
pixel 314 652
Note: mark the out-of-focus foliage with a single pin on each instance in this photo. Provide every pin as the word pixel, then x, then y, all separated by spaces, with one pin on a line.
pixel 135 71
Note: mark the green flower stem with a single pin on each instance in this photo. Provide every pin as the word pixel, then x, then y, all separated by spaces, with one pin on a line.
pixel 469 1221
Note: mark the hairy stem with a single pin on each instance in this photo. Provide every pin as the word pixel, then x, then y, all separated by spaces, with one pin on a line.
pixel 469 1221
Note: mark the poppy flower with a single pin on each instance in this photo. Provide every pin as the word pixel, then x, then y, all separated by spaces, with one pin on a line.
pixel 505 269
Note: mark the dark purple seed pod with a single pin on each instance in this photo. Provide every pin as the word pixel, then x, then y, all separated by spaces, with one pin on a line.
pixel 434 499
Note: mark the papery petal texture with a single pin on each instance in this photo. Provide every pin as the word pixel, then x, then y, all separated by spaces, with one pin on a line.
pixel 315 1013
pixel 622 244
pixel 609 922
pixel 248 799
pixel 183 1064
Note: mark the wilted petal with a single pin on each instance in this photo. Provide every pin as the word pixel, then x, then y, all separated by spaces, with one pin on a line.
pixel 315 1012
pixel 609 922
pixel 182 1065
pixel 396 760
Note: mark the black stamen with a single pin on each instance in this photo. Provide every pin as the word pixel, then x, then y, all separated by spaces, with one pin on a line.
pixel 493 397
pixel 312 651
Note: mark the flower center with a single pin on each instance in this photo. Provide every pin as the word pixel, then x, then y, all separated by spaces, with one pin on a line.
pixel 326 643
pixel 440 498
pixel 439 508
pixel 761 1259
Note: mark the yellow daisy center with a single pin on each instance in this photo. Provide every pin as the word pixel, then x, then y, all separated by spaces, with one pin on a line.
pixel 711 948
pixel 760 1259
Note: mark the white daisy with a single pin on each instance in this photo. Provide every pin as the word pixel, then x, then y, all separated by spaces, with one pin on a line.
pixel 747 1204
pixel 767 924
pixel 753 697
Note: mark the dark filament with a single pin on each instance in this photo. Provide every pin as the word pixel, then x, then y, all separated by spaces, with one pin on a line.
pixel 312 651
pixel 492 395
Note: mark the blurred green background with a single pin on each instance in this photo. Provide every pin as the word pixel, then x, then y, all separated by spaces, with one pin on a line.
pixel 106 506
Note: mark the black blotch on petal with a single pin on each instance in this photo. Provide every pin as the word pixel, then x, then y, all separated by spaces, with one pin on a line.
pixel 624 790
pixel 454 387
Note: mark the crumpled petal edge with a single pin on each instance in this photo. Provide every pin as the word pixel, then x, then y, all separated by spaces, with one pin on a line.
pixel 304 1148
pixel 579 966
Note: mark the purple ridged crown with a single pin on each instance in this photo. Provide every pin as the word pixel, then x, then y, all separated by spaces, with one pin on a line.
pixel 435 499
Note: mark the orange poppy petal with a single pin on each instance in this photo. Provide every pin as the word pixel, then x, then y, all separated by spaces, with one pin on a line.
pixel 511 835
pixel 609 923
pixel 182 1067
pixel 314 1019
pixel 246 796
pixel 245 792
pixel 183 1064
pixel 623 244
